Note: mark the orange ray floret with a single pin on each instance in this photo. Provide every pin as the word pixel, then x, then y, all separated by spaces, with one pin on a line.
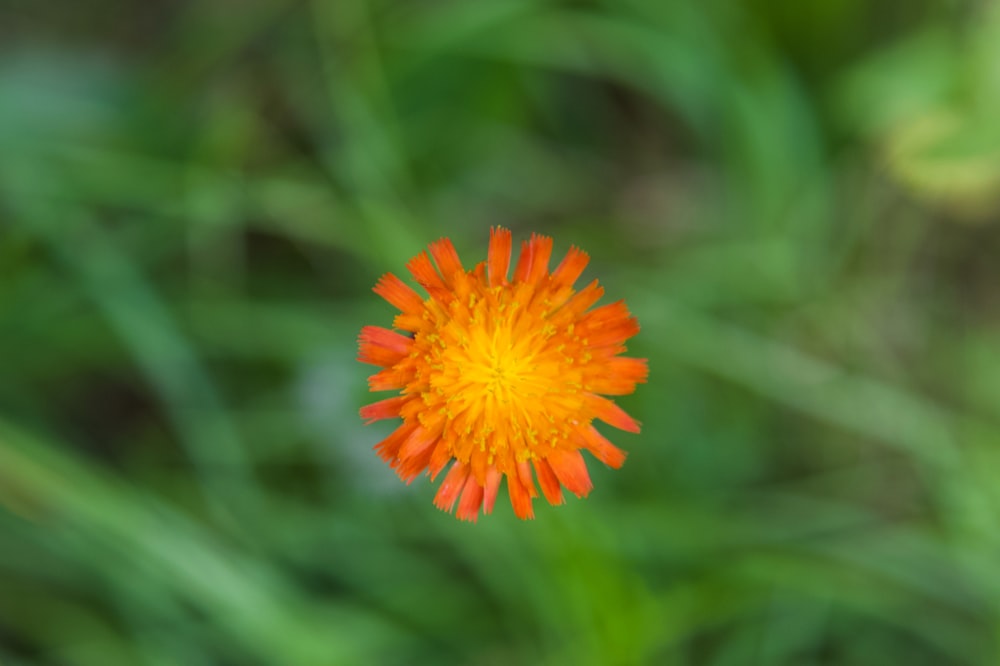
pixel 502 378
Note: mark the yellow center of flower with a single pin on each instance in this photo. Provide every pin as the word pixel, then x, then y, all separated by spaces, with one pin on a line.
pixel 499 374
pixel 498 380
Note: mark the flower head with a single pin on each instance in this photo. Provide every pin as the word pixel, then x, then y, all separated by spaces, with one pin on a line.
pixel 498 376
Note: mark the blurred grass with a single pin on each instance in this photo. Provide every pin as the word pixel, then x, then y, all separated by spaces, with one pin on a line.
pixel 797 201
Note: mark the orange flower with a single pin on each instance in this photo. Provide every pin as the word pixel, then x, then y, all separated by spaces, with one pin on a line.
pixel 500 375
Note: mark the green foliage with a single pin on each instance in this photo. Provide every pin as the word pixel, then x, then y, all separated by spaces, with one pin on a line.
pixel 195 199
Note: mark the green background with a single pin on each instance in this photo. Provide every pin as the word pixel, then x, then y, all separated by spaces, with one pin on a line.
pixel 798 200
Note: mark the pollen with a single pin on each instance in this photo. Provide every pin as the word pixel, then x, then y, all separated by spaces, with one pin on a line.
pixel 499 378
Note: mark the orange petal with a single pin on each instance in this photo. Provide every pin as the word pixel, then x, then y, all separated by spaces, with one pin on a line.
pixel 382 337
pixel 439 458
pixel 419 441
pixel 603 450
pixel 479 462
pixel 617 375
pixel 384 409
pixel 389 447
pixel 472 499
pixel 452 485
pixel 427 276
pixel 519 498
pixel 410 468
pixel 524 476
pixel 570 268
pixel 571 470
pixel 380 346
pixel 493 477
pixel 394 378
pixel 408 321
pixel 548 481
pixel 533 264
pixel 576 306
pixel 498 256
pixel 380 356
pixel 609 412
pixel 608 324
pixel 447 259
pixel 411 410
pixel 398 293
